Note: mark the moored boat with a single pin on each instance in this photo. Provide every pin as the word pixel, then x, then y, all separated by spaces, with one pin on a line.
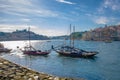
pixel 74 52
pixel 71 51
pixel 30 50
pixel 3 49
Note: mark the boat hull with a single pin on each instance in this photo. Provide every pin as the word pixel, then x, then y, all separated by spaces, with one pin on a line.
pixel 35 53
pixel 85 55
pixel 5 50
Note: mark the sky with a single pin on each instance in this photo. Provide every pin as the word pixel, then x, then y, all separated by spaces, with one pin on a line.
pixel 53 17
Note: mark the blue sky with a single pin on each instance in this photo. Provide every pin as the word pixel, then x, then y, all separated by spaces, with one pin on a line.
pixel 53 17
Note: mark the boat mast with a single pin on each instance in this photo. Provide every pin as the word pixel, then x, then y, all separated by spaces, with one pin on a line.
pixel 73 35
pixel 29 38
pixel 70 36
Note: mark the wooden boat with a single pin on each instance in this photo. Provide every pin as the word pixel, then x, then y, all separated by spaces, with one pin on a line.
pixel 74 52
pixel 3 49
pixel 71 51
pixel 30 50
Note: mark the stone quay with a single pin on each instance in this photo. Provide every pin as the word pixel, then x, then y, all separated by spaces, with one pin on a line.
pixel 13 71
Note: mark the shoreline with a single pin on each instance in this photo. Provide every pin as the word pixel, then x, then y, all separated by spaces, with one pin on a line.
pixel 13 71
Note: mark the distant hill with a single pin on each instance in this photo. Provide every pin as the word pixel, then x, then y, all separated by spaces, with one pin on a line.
pixel 77 35
pixel 21 35
pixel 60 37
pixel 100 34
pixel 111 33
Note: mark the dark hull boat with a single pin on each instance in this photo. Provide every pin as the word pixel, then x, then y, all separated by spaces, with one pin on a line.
pixel 71 51
pixel 74 52
pixel 32 51
pixel 3 49
pixel 35 53
pixel 85 55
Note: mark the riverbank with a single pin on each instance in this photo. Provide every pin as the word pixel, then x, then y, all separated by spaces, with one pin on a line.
pixel 12 71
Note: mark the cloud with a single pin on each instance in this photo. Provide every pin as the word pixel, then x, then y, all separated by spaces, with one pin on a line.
pixel 25 20
pixel 27 9
pixel 110 4
pixel 101 20
pixel 64 1
pixel 20 2
pixel 14 20
pixel 11 28
pixel 24 8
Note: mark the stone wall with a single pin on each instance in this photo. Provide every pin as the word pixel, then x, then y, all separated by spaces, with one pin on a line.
pixel 12 71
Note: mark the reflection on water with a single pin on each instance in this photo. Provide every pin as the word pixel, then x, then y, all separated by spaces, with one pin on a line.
pixel 104 66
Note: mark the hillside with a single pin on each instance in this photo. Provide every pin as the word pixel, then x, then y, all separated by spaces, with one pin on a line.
pixel 100 34
pixel 60 37
pixel 21 35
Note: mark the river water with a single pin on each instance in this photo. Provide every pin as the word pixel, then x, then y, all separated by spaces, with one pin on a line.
pixel 104 66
